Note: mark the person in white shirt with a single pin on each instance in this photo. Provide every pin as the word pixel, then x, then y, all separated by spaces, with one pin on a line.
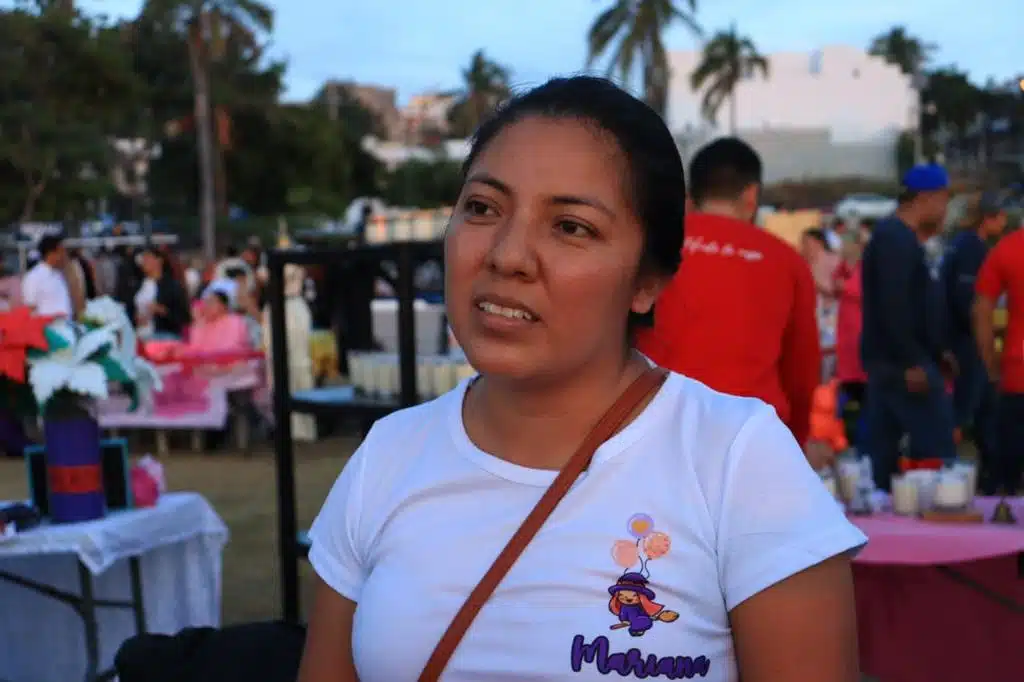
pixel 698 544
pixel 44 288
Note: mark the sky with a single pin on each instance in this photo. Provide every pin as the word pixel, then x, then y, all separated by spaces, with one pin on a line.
pixel 423 45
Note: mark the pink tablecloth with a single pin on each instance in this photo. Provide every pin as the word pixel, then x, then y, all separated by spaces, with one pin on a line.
pixel 896 540
pixel 941 602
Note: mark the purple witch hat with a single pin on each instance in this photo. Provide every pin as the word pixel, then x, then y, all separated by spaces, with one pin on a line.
pixel 634 582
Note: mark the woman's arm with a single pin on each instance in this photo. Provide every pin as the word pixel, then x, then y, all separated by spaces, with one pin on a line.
pixel 328 653
pixel 803 629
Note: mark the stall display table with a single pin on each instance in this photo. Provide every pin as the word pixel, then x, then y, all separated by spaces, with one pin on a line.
pixel 941 602
pixel 72 594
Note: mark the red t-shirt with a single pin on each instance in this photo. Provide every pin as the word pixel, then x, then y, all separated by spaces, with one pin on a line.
pixel 1003 273
pixel 740 317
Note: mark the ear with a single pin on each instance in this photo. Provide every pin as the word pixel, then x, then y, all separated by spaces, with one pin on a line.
pixel 647 291
pixel 750 200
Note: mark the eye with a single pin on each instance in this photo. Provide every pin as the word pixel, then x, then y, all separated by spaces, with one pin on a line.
pixel 474 208
pixel 571 228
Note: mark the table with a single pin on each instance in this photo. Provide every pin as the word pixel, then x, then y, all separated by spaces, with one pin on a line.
pixel 941 602
pixel 154 569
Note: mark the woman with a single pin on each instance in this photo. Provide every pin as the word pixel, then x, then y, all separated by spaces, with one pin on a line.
pixel 699 537
pixel 849 320
pixel 161 306
pixel 218 329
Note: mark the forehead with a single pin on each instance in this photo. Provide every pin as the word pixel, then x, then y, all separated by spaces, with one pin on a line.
pixel 545 156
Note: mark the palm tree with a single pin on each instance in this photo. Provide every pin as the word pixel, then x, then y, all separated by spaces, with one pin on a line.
pixel 485 86
pixel 207 24
pixel 901 49
pixel 728 58
pixel 631 31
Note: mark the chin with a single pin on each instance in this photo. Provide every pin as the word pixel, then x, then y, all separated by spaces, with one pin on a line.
pixel 500 360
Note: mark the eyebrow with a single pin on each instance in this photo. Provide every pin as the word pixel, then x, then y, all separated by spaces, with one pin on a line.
pixel 558 200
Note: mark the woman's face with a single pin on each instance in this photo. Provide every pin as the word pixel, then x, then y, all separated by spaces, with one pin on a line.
pixel 214 306
pixel 542 252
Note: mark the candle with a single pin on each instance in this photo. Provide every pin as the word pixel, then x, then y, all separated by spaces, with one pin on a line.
pixel 464 370
pixel 424 378
pixel 904 496
pixel 925 481
pixel 849 478
pixel 951 491
pixel 443 376
pixel 830 485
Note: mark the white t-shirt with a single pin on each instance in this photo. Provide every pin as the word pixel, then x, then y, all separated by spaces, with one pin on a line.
pixel 144 297
pixel 712 488
pixel 45 289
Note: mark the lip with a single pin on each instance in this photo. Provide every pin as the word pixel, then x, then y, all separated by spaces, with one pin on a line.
pixel 506 302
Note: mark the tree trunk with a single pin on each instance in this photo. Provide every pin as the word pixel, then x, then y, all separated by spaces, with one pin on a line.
pixel 204 138
pixel 732 113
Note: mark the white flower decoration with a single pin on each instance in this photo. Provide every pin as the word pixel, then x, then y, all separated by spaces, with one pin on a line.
pixel 70 368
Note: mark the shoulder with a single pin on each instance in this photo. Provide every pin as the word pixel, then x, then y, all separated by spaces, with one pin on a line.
pixel 713 419
pixel 396 440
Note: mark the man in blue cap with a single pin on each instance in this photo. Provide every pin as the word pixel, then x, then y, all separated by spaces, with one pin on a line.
pixel 903 342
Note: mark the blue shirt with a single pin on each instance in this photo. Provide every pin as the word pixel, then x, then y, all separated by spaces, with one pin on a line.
pixel 903 325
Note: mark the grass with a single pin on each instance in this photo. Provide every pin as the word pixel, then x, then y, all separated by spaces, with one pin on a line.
pixel 242 490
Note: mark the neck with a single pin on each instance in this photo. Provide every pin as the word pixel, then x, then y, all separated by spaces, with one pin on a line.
pixel 509 418
pixel 725 209
pixel 982 233
pixel 910 219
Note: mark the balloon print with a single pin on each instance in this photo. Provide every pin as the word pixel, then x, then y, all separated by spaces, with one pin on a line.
pixel 657 545
pixel 624 553
pixel 640 525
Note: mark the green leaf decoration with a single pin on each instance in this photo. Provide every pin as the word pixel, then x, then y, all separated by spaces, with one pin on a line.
pixel 114 370
pixel 54 340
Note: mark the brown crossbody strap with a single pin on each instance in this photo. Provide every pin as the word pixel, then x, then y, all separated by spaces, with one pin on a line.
pixel 610 422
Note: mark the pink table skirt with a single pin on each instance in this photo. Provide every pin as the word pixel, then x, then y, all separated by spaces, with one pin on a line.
pixel 923 614
pixel 921 624
pixel 210 413
pixel 897 540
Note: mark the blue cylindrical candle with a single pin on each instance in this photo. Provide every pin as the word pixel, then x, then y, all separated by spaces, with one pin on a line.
pixel 74 469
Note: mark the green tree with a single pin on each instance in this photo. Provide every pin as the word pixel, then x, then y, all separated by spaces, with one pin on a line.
pixel 485 86
pixel 728 58
pixel 897 46
pixel 206 25
pixel 424 184
pixel 66 85
pixel 631 31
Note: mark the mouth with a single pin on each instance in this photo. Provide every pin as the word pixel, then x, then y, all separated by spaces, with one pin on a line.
pixel 506 309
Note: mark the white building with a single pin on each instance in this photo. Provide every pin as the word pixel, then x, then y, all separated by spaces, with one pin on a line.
pixel 835 112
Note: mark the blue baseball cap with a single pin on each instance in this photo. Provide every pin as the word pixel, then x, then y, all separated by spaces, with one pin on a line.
pixel 926 177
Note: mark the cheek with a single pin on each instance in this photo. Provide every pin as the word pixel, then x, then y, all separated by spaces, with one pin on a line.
pixel 465 251
pixel 591 294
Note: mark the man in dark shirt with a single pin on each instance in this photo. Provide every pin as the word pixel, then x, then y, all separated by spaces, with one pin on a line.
pixel 973 395
pixel 903 342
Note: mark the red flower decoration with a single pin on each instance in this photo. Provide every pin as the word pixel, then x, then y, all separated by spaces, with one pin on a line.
pixel 19 331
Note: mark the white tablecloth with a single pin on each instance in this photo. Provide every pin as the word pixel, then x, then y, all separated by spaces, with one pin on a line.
pixel 180 543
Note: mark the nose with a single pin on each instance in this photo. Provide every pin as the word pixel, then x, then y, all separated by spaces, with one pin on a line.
pixel 513 251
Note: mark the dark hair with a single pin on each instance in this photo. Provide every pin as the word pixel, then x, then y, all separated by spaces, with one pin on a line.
pixel 819 235
pixel 723 169
pixel 235 273
pixel 49 244
pixel 656 184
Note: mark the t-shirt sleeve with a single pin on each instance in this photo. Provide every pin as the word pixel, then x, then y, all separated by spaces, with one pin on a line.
pixel 776 518
pixel 990 282
pixel 336 552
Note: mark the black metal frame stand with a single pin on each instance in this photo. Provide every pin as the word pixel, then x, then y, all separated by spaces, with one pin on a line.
pixel 86 604
pixel 406 255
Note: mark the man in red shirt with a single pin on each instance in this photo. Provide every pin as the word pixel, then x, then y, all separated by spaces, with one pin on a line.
pixel 739 315
pixel 1003 273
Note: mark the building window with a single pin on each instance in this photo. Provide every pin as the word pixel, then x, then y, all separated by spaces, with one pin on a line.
pixel 815 65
